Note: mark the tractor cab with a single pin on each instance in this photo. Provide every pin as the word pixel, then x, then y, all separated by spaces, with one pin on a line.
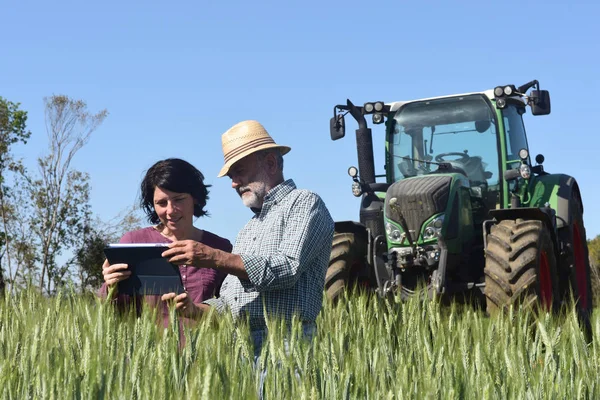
pixel 453 134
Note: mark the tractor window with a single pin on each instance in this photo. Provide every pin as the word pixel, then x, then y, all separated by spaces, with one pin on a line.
pixel 457 130
pixel 516 138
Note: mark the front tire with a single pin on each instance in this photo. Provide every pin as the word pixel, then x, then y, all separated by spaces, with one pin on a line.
pixel 520 266
pixel 348 255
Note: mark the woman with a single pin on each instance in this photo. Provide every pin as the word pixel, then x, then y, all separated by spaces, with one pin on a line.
pixel 172 194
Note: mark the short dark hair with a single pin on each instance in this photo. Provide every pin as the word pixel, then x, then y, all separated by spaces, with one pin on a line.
pixel 175 175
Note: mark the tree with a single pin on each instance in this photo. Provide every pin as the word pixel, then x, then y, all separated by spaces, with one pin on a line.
pixel 594 253
pixel 55 201
pixel 12 130
pixel 594 250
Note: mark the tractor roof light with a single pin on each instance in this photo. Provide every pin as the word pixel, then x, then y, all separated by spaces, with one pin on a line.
pixel 378 106
pixel 523 154
pixel 510 90
pixel 369 107
pixel 505 91
pixel 378 118
pixel 500 103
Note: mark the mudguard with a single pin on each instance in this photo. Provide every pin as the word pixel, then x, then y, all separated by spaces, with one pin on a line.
pixel 358 229
pixel 350 226
pixel 556 190
pixel 545 214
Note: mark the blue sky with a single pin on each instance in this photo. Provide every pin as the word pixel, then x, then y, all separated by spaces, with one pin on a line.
pixel 174 76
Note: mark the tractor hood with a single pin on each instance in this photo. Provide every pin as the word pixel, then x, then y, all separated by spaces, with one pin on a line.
pixel 418 199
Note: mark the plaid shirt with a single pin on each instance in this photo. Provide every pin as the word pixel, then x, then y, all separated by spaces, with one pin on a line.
pixel 285 248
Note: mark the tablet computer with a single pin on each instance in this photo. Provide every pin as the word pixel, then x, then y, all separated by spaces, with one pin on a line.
pixel 151 274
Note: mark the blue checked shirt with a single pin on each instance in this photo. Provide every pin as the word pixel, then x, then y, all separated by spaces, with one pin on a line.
pixel 285 248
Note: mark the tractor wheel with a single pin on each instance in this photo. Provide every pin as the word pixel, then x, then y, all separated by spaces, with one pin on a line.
pixel 578 265
pixel 520 266
pixel 348 254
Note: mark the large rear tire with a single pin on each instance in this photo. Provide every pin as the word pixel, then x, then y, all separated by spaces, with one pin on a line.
pixel 348 256
pixel 520 266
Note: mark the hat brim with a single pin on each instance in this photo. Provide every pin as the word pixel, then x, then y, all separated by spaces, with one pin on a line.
pixel 228 164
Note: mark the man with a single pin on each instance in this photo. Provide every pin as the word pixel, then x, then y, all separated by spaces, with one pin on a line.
pixel 280 258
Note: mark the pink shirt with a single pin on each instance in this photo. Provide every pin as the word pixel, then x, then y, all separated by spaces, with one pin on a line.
pixel 200 283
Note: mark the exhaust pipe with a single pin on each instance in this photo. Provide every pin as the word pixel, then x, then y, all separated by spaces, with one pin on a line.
pixel 364 145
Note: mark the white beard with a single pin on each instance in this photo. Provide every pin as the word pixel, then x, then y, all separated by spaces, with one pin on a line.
pixel 256 192
pixel 252 199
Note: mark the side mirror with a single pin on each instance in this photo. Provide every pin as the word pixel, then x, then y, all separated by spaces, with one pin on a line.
pixel 540 102
pixel 337 127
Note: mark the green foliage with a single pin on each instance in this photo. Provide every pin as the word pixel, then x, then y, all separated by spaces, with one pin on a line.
pixel 594 253
pixel 594 250
pixel 90 257
pixel 13 122
pixel 54 201
pixel 76 347
pixel 12 130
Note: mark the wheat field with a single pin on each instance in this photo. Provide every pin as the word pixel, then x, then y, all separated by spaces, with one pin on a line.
pixel 70 346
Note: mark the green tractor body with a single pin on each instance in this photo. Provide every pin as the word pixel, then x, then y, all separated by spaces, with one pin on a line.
pixel 460 207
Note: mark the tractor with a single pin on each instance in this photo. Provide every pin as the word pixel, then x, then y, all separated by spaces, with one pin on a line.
pixel 460 207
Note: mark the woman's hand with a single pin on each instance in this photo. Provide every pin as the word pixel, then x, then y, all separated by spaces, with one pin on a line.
pixel 115 273
pixel 184 305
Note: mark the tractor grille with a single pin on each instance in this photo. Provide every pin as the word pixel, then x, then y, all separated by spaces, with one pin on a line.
pixel 418 199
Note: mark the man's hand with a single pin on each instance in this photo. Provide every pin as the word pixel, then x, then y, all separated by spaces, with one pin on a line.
pixel 190 252
pixel 184 305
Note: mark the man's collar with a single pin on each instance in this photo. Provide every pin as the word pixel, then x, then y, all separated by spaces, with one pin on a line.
pixel 276 194
pixel 280 191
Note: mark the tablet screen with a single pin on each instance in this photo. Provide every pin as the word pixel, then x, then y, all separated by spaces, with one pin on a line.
pixel 151 274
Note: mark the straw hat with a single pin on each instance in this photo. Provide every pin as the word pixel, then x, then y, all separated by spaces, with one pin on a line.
pixel 245 138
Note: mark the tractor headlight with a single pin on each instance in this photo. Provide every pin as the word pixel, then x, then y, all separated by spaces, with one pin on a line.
pixel 353 172
pixel 525 171
pixel 429 233
pixel 433 228
pixel 393 233
pixel 356 189
pixel 377 118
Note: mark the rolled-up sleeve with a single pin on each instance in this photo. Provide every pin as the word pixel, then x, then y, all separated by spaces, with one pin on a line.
pixel 308 228
pixel 218 304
